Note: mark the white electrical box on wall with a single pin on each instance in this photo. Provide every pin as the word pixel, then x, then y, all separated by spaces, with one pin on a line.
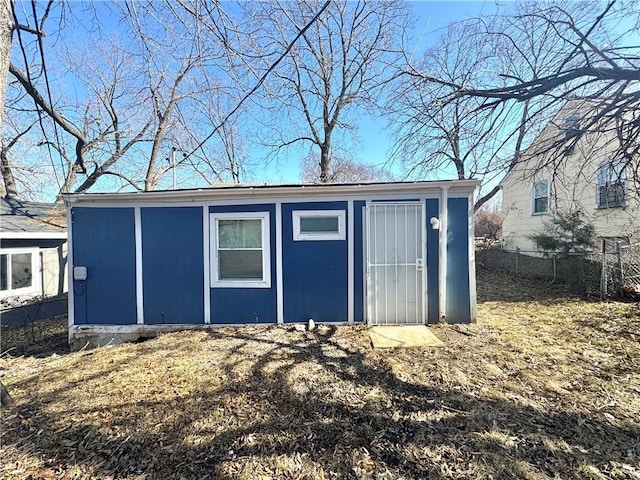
pixel 79 273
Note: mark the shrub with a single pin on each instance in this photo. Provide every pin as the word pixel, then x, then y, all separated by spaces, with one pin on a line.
pixel 488 223
pixel 566 232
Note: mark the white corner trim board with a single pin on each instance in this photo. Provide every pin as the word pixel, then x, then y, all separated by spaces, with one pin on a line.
pixel 206 247
pixel 70 295
pixel 472 262
pixel 442 273
pixel 279 280
pixel 350 263
pixel 137 215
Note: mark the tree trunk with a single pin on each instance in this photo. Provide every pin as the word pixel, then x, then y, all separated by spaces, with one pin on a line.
pixel 10 188
pixel 5 398
pixel 325 157
pixel 324 165
pixel 6 32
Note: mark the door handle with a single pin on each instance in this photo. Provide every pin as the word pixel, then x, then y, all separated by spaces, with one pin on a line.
pixel 419 264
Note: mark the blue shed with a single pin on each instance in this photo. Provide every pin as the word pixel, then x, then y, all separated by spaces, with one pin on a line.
pixel 375 253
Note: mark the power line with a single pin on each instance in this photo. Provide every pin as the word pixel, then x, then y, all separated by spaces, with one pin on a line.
pixel 46 83
pixel 28 73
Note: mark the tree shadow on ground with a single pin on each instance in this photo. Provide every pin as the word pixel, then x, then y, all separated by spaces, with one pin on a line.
pixel 277 419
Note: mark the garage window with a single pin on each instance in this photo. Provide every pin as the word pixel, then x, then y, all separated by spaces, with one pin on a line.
pixel 240 250
pixel 319 225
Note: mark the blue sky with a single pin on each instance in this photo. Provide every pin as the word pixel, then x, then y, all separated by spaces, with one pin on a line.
pixel 375 142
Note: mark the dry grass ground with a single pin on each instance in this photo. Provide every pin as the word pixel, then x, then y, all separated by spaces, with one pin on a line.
pixel 544 386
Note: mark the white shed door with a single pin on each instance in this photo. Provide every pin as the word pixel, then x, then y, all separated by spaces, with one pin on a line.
pixel 395 251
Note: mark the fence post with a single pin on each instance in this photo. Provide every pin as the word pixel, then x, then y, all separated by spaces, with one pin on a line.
pixel 517 258
pixel 621 270
pixel 553 257
pixel 603 276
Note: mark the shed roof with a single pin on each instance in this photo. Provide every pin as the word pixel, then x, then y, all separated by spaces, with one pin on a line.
pixel 299 190
pixel 24 219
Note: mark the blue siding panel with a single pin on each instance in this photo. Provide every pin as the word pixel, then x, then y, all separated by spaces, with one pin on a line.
pixel 247 305
pixel 358 257
pixel 104 242
pixel 172 265
pixel 314 273
pixel 243 305
pixel 432 262
pixel 458 301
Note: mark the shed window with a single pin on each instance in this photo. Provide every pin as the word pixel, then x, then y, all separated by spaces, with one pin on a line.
pixel 541 197
pixel 319 225
pixel 18 272
pixel 240 250
pixel 612 182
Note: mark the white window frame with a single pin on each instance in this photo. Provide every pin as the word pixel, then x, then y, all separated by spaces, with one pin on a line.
pixel 35 269
pixel 298 235
pixel 266 250
pixel 533 197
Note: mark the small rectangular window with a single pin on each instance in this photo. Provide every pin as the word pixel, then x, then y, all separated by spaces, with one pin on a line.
pixel 612 183
pixel 240 250
pixel 319 225
pixel 18 270
pixel 541 197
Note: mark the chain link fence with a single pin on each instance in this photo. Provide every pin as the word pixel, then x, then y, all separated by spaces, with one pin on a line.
pixel 630 268
pixel 39 324
pixel 595 274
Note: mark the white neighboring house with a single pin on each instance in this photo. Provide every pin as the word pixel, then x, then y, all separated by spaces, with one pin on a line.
pixel 588 177
pixel 33 251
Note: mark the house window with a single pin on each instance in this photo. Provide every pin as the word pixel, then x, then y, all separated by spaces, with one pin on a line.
pixel 240 250
pixel 572 125
pixel 541 197
pixel 319 225
pixel 18 272
pixel 612 182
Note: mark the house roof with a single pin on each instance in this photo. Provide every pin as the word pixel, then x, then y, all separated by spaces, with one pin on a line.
pixel 23 219
pixel 243 191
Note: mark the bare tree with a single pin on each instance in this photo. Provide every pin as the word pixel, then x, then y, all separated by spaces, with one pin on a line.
pixel 339 67
pixel 102 125
pixel 344 170
pixel 139 100
pixel 6 34
pixel 595 54
pixel 122 130
pixel 6 165
pixel 439 130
